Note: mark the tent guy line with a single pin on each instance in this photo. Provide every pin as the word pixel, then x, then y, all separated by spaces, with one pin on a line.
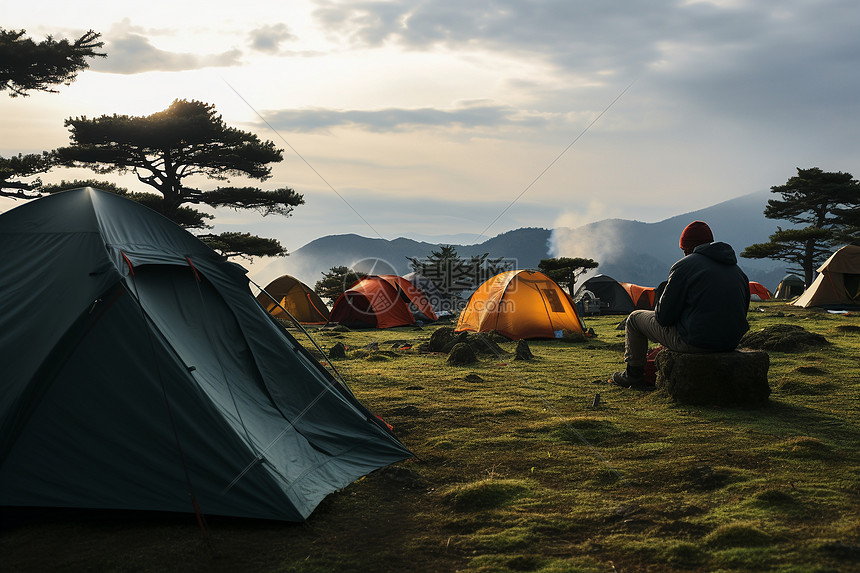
pixel 300 156
pixel 559 156
pixel 306 333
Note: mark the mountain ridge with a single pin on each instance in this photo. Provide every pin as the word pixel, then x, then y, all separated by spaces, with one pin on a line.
pixel 627 250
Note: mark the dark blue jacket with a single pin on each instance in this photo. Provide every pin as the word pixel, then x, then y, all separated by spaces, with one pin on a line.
pixel 707 298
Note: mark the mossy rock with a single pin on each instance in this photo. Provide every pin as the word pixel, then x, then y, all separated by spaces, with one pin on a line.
pixel 462 355
pixel 439 340
pixel 444 339
pixel 337 351
pixel 523 352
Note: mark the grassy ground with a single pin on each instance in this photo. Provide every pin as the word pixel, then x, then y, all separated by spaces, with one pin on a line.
pixel 517 470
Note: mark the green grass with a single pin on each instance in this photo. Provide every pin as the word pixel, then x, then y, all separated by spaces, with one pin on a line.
pixel 517 471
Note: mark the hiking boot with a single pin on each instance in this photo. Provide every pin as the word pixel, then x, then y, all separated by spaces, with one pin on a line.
pixel 625 379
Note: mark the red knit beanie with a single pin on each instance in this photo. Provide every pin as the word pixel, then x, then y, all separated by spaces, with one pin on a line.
pixel 695 234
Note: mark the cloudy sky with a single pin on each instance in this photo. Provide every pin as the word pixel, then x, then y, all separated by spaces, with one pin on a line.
pixel 419 117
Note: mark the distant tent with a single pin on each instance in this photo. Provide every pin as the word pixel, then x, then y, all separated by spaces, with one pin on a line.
pixel 642 297
pixel 381 301
pixel 614 299
pixel 838 284
pixel 429 289
pixel 297 298
pixel 758 290
pixel 520 304
pixel 789 287
pixel 139 372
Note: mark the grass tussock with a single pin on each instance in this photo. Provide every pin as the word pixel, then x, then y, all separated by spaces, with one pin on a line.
pixel 803 447
pixel 486 494
pixel 737 535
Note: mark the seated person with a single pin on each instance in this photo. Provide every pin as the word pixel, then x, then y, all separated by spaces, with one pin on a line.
pixel 703 307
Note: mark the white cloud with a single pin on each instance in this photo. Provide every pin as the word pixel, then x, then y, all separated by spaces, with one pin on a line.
pixel 130 51
pixel 268 38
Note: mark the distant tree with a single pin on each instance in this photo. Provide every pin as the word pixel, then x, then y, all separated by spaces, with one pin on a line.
pixel 480 268
pixel 444 269
pixel 565 270
pixel 29 66
pixel 335 281
pixel 167 149
pixel 244 245
pixel 825 206
pixel 16 169
pixel 453 274
pixel 51 188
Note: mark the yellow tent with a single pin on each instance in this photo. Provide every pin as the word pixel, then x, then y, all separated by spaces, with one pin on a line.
pixel 520 304
pixel 297 298
pixel 838 283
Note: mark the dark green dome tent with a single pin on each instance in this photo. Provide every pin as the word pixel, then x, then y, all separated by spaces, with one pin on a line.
pixel 139 372
pixel 789 287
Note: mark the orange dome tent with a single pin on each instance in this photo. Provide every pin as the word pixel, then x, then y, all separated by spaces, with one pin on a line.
pixel 520 304
pixel 757 289
pixel 381 301
pixel 296 297
pixel 643 297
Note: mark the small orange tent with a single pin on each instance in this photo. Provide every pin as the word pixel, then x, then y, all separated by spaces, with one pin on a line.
pixel 643 297
pixel 381 301
pixel 520 304
pixel 297 298
pixel 759 290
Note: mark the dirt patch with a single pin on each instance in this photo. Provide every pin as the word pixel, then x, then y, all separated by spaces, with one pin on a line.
pixel 783 338
pixel 848 329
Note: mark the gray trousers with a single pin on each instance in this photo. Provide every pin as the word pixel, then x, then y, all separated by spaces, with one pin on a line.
pixel 641 327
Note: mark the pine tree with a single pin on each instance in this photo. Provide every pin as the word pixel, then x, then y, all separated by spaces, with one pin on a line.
pixel 169 148
pixel 16 169
pixel 565 270
pixel 29 66
pixel 824 207
pixel 335 282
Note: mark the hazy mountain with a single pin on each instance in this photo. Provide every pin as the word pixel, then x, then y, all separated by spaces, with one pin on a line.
pixel 630 251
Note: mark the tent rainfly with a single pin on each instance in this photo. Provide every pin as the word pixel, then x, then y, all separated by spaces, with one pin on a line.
pixel 139 372
pixel 381 301
pixel 642 297
pixel 298 299
pixel 838 282
pixel 520 304
pixel 759 290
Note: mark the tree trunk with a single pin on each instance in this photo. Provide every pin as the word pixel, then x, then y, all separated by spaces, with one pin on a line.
pixel 808 262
